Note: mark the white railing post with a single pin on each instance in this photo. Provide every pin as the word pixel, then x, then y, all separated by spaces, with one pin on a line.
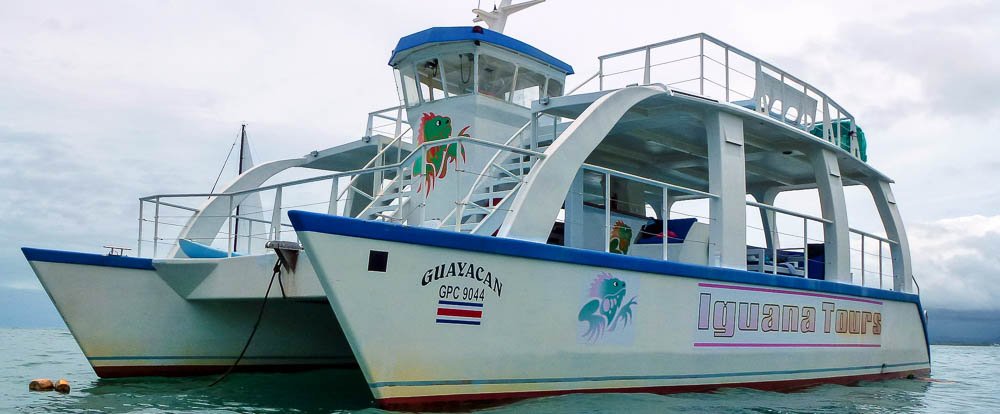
pixel 880 260
pixel 774 251
pixel 138 249
pixel 805 247
pixel 607 212
pixel 399 122
pixel 600 71
pixel 276 215
pixel 156 225
pixel 726 50
pixel 645 71
pixel 863 261
pixel 459 203
pixel 229 238
pixel 334 195
pixel 701 64
pixel 249 235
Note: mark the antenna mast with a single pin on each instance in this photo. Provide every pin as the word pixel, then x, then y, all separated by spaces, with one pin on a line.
pixel 243 145
pixel 497 19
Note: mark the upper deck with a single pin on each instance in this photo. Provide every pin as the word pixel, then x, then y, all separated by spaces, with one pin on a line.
pixel 785 118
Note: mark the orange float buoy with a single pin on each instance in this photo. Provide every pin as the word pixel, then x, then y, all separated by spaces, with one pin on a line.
pixel 41 384
pixel 62 386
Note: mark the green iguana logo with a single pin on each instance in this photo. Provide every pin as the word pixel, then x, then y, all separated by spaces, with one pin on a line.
pixel 435 127
pixel 604 310
pixel 621 238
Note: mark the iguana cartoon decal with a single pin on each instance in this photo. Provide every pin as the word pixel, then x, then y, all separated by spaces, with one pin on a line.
pixel 435 127
pixel 604 310
pixel 621 238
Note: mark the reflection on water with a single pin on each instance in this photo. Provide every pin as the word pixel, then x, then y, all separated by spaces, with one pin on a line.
pixel 314 391
pixel 964 380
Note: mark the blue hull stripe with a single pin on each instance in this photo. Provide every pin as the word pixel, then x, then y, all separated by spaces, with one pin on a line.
pixel 183 357
pixel 458 322
pixel 450 302
pixel 323 223
pixel 90 259
pixel 633 377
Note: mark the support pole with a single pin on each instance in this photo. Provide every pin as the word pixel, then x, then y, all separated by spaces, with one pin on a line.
pixel 727 180
pixel 837 250
pixel 607 212
pixel 902 277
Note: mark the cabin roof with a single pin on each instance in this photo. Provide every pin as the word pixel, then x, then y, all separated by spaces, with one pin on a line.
pixel 467 33
pixel 664 138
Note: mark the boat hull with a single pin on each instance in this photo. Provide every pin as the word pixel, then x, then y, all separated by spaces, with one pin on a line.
pixel 129 321
pixel 438 317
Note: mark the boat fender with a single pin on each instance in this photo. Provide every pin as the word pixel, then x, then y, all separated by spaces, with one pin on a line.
pixel 41 384
pixel 62 386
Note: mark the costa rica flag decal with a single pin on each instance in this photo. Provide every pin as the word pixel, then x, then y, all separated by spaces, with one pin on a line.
pixel 459 313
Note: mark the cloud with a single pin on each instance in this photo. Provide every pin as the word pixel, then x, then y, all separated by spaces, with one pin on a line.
pixel 956 263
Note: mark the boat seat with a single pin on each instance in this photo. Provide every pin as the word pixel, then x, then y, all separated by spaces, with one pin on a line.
pixel 677 231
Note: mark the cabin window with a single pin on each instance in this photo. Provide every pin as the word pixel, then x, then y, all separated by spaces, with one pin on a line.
pixel 554 88
pixel 409 86
pixel 429 74
pixel 459 73
pixel 528 86
pixel 593 188
pixel 496 77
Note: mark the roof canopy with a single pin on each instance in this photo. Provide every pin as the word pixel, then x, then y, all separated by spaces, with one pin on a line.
pixel 466 33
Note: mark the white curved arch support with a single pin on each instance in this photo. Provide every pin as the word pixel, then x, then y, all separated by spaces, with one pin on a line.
pixel 885 202
pixel 537 204
pixel 206 223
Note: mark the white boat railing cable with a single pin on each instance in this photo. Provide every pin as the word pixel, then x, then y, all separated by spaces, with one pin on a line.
pixel 763 91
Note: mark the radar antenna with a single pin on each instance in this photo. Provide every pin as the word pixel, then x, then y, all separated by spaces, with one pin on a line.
pixel 497 18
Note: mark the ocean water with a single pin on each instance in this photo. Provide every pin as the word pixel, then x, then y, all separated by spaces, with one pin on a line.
pixel 965 379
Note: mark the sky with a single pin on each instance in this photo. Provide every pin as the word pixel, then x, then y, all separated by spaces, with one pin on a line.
pixel 104 102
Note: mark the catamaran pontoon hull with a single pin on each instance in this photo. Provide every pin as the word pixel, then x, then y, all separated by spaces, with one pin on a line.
pixel 143 317
pixel 436 316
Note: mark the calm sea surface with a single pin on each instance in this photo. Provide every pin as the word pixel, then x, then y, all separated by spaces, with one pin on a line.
pixel 965 380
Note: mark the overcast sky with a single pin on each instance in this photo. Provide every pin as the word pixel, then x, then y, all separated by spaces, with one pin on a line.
pixel 104 102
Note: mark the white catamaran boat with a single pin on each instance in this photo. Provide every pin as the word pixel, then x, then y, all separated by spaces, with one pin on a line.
pixel 496 238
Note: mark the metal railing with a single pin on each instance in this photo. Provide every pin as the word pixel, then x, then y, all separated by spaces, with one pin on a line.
pixel 775 236
pixel 665 189
pixel 703 65
pixel 863 253
pixel 276 227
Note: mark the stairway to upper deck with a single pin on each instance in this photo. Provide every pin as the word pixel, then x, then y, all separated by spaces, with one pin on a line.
pixel 489 199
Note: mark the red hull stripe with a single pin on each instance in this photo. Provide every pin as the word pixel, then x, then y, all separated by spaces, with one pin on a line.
pixel 460 312
pixel 458 400
pixel 781 345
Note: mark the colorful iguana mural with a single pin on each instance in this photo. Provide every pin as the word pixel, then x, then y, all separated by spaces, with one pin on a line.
pixel 621 238
pixel 435 127
pixel 604 310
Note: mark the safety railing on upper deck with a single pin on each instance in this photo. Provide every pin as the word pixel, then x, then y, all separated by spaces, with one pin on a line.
pixel 702 65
